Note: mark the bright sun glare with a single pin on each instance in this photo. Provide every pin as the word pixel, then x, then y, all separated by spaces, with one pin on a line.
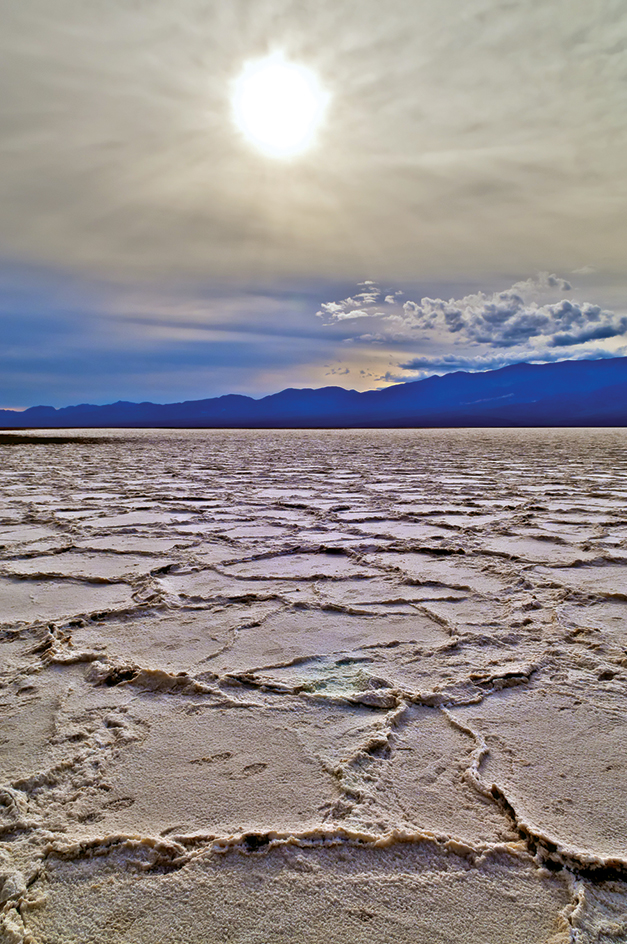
pixel 279 105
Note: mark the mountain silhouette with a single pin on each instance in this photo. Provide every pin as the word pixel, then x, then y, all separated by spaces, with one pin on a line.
pixel 567 393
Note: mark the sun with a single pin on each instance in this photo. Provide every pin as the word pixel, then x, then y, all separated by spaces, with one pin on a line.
pixel 279 105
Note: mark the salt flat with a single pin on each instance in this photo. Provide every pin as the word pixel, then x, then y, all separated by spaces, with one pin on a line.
pixel 334 686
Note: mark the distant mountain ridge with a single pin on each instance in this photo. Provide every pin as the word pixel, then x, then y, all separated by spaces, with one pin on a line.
pixel 567 393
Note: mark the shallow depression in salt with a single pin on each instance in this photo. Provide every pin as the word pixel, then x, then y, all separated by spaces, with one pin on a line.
pixel 318 686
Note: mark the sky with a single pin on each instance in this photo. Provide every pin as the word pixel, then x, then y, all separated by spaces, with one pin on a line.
pixel 460 204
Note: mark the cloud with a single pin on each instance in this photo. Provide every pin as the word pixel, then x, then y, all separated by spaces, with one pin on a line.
pixel 507 319
pixel 450 362
pixel 363 304
pixel 543 282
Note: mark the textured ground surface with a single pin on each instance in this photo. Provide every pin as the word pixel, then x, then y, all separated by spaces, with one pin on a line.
pixel 321 686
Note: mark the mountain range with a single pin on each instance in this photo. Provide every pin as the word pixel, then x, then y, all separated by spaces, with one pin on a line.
pixel 567 393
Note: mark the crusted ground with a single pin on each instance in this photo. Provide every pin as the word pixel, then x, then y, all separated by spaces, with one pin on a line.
pixel 335 686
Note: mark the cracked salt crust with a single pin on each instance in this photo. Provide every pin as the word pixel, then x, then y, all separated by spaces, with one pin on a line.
pixel 562 763
pixel 85 566
pixel 341 894
pixel 30 600
pixel 345 692
pixel 297 633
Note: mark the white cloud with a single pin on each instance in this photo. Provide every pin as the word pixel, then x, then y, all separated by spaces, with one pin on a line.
pixel 520 315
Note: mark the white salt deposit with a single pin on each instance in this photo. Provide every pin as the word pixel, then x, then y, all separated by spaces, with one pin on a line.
pixel 324 686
